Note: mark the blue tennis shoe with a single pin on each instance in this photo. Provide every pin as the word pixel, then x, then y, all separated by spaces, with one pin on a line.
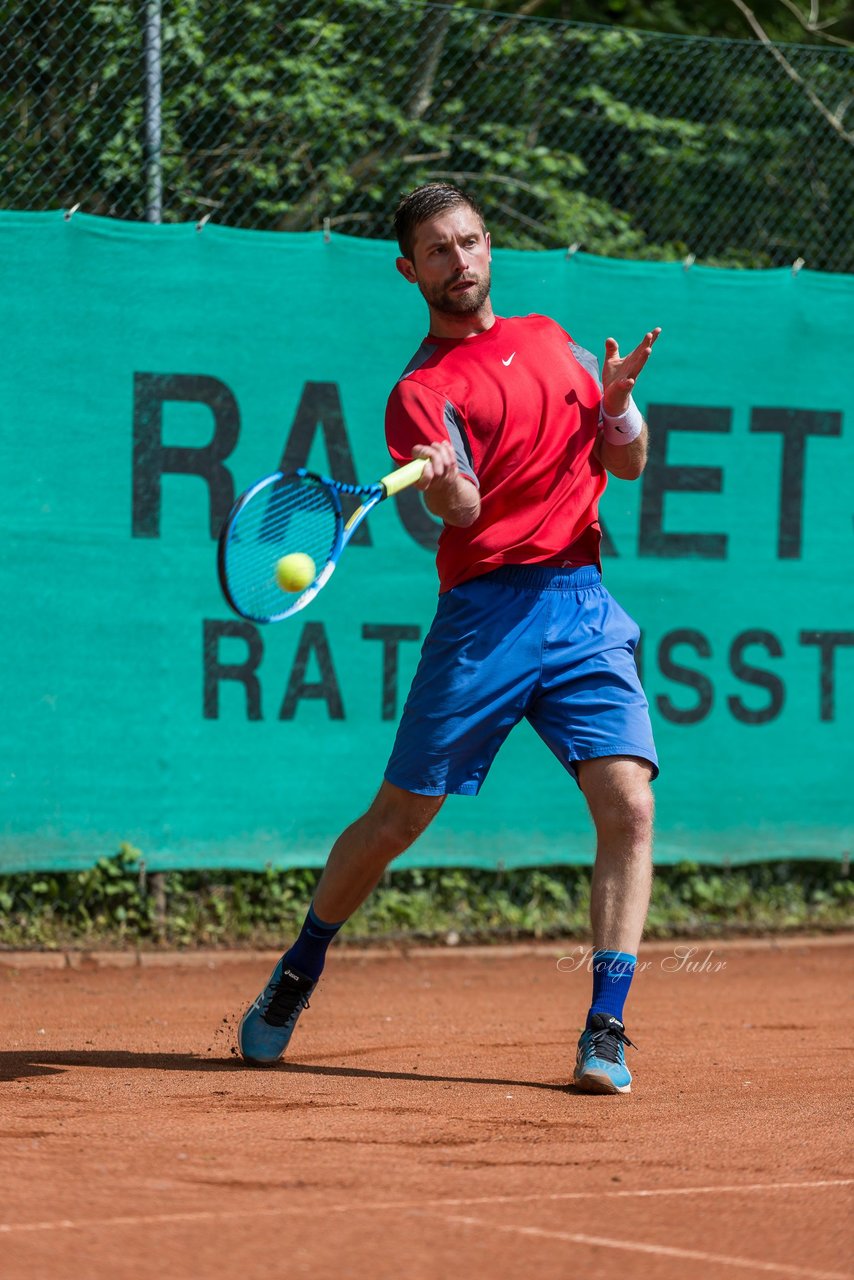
pixel 267 1025
pixel 601 1064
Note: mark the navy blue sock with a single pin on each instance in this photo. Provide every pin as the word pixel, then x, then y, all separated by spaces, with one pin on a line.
pixel 612 976
pixel 308 954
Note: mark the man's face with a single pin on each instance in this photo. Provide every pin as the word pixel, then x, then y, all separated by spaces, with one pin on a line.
pixel 450 262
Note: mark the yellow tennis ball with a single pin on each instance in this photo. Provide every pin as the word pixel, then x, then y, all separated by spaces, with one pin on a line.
pixel 295 572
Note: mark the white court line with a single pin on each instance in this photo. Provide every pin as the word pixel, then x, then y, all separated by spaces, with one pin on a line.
pixel 634 1246
pixel 209 1215
pixel 738 1188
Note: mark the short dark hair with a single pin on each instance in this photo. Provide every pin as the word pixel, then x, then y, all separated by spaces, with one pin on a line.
pixel 426 202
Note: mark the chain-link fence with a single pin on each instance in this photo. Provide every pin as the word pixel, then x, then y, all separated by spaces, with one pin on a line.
pixel 295 114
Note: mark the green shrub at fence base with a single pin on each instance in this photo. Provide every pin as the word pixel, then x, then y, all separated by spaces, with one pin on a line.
pixel 117 904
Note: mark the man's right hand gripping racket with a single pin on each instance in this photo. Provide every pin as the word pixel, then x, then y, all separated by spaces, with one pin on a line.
pixel 298 513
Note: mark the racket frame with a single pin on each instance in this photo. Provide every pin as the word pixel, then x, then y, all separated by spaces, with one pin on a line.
pixel 372 494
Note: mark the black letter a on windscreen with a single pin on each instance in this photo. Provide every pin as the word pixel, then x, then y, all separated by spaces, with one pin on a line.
pixel 320 409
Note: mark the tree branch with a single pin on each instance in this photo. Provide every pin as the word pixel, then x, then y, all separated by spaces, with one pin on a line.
pixel 813 25
pixel 431 42
pixel 832 119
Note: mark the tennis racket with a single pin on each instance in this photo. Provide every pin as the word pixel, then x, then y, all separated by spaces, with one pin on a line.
pixel 286 513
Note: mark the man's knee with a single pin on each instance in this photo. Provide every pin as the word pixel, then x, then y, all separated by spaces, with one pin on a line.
pixel 397 818
pixel 635 809
pixel 620 797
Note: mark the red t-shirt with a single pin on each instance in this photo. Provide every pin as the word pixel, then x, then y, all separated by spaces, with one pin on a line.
pixel 520 403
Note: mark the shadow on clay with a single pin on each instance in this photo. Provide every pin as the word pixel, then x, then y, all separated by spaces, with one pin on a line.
pixel 21 1065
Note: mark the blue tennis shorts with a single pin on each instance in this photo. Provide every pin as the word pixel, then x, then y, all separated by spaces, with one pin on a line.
pixel 546 644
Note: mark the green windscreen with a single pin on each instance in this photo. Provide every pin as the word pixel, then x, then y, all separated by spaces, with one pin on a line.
pixel 149 374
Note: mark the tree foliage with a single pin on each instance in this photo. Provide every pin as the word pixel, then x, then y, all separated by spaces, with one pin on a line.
pixel 718 18
pixel 321 112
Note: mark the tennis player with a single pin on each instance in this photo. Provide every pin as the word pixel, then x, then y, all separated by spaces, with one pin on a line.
pixel 518 432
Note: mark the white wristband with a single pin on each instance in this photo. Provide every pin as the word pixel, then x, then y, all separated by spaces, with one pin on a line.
pixel 626 427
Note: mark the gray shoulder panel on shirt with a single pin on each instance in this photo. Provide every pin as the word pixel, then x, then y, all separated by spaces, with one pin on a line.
pixel 422 355
pixel 588 362
pixel 458 436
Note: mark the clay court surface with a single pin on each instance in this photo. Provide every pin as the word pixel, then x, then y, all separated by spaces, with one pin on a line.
pixel 422 1127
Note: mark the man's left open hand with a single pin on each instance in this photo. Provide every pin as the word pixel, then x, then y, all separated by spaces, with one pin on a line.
pixel 619 373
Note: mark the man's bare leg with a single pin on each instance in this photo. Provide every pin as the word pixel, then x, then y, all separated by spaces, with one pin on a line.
pixel 358 858
pixel 618 792
pixel 361 854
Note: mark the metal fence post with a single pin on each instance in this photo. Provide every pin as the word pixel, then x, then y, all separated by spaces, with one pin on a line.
pixel 153 90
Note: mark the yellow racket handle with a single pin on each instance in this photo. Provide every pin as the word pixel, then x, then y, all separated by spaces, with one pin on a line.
pixel 404 477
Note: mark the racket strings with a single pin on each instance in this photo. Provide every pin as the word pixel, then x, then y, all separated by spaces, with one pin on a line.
pixel 291 514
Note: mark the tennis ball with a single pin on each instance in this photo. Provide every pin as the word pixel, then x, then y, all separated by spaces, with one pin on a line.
pixel 295 572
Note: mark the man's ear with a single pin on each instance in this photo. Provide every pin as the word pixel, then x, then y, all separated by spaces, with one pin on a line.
pixel 406 269
pixel 489 246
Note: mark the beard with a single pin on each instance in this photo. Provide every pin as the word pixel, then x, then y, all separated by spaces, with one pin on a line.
pixel 440 297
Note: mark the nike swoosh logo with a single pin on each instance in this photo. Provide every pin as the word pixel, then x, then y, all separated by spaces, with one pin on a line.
pixel 509 361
